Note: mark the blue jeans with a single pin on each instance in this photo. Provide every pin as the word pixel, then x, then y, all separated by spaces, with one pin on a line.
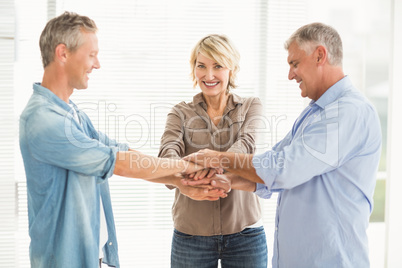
pixel 246 249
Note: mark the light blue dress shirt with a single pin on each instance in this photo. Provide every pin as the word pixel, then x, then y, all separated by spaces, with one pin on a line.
pixel 325 170
pixel 67 166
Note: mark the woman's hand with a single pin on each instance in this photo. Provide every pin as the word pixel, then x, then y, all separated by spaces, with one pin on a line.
pixel 205 173
pixel 218 181
pixel 202 191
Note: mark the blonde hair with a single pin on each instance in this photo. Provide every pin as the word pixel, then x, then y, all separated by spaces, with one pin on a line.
pixel 309 36
pixel 220 49
pixel 65 29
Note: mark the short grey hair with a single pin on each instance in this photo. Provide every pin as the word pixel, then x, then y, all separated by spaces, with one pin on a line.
pixel 309 36
pixel 64 29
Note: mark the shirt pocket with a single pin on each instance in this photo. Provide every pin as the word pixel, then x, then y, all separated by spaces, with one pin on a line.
pixel 236 123
pixel 231 132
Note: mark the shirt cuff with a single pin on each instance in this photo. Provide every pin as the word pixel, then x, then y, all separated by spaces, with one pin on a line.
pixel 262 191
pixel 123 147
pixel 112 160
pixel 264 168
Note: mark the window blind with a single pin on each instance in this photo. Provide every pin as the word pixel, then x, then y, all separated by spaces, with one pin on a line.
pixel 144 56
pixel 7 133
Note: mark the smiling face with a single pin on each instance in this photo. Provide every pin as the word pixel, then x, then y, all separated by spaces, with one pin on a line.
pixel 303 68
pixel 212 78
pixel 82 61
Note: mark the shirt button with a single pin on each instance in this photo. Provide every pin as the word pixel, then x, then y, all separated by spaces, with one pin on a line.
pixel 110 243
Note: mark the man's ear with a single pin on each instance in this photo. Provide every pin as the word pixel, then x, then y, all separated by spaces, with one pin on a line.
pixel 61 53
pixel 321 54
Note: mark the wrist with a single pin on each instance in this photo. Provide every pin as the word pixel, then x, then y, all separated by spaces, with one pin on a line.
pixel 224 161
pixel 183 166
pixel 172 180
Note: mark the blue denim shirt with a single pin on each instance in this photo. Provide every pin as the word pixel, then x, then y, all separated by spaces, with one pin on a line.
pixel 67 166
pixel 325 170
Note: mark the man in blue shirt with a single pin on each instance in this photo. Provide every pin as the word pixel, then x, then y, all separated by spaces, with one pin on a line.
pixel 68 163
pixel 325 167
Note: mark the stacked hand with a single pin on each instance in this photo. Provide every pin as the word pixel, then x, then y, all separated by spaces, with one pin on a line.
pixel 240 175
pixel 217 181
pixel 206 158
pixel 206 172
pixel 208 183
pixel 209 187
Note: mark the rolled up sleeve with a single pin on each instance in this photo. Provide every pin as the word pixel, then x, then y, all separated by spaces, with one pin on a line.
pixel 60 142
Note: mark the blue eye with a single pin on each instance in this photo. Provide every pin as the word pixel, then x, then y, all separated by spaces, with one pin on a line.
pixel 200 66
pixel 218 66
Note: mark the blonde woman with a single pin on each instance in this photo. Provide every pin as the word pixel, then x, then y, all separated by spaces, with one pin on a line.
pixel 229 229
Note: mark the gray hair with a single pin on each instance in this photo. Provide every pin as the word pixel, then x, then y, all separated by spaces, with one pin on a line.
pixel 64 29
pixel 309 36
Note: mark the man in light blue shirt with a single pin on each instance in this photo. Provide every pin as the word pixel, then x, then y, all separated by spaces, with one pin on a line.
pixel 325 168
pixel 68 162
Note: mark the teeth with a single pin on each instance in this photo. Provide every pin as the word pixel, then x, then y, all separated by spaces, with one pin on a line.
pixel 211 84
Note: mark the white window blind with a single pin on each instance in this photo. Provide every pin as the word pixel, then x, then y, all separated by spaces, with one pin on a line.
pixel 144 56
pixel 7 133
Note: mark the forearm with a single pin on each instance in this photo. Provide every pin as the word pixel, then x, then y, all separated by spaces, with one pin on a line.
pixel 134 164
pixel 240 183
pixel 172 181
pixel 239 164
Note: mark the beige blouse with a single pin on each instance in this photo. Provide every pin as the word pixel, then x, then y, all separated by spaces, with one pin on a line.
pixel 189 129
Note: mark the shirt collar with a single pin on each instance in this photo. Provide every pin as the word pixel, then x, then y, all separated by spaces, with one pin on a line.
pixel 333 93
pixel 47 93
pixel 232 102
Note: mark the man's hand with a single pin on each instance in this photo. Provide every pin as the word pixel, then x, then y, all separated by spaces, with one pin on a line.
pixel 225 181
pixel 190 167
pixel 206 172
pixel 199 192
pixel 207 158
pixel 236 163
pixel 218 181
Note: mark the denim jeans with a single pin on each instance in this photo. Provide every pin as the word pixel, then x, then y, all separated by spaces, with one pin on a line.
pixel 246 249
